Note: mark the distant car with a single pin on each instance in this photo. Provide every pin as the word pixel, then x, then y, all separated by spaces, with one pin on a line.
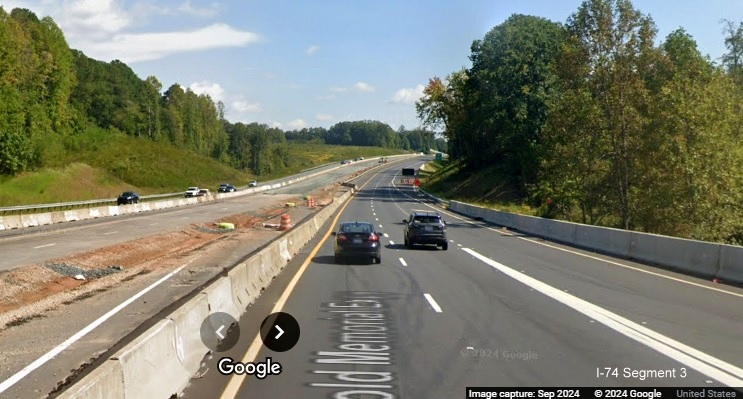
pixel 357 240
pixel 345 161
pixel 424 227
pixel 226 188
pixel 192 192
pixel 361 158
pixel 127 197
pixel 203 192
pixel 253 183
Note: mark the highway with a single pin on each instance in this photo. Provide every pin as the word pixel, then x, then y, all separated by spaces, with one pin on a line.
pixel 496 309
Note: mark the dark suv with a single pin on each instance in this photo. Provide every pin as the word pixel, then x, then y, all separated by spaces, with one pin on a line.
pixel 424 227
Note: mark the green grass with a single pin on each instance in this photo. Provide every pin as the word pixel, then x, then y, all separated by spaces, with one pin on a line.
pixel 485 187
pixel 101 164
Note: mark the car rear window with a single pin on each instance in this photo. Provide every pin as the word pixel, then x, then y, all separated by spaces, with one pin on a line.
pixel 356 228
pixel 427 219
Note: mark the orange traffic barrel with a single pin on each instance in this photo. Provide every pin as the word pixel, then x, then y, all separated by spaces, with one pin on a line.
pixel 310 202
pixel 285 222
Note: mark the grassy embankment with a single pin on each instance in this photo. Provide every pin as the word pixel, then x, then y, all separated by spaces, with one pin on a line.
pixel 94 166
pixel 486 187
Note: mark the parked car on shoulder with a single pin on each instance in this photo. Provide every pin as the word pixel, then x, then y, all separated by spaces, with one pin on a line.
pixel 253 183
pixel 127 197
pixel 203 192
pixel 226 188
pixel 192 192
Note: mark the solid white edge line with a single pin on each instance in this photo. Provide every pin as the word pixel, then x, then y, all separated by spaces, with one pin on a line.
pixel 66 344
pixel 433 303
pixel 402 261
pixel 679 280
pixel 706 364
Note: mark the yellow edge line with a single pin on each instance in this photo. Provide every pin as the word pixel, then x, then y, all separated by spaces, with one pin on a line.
pixel 233 386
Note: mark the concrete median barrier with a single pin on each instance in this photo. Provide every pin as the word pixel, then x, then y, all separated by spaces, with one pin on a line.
pixel 240 286
pixel 113 210
pixel 95 213
pixel 146 207
pixel 12 222
pixel 187 319
pixel 559 231
pixel 602 239
pixel 253 272
pixel 150 364
pixel 44 219
pixel 731 264
pixel 695 257
pixel 29 221
pixel 71 216
pixel 58 217
pixel 219 295
pixel 104 382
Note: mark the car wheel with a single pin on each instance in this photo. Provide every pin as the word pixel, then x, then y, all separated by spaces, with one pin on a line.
pixel 445 246
pixel 377 259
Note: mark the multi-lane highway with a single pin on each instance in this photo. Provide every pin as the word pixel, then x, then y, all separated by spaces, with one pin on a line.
pixel 496 309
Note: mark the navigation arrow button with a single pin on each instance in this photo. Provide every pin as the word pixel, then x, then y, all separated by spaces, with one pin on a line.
pixel 288 332
pixel 219 331
pixel 281 332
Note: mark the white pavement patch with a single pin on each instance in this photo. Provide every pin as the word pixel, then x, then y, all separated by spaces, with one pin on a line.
pixel 90 327
pixel 433 303
pixel 402 261
pixel 708 365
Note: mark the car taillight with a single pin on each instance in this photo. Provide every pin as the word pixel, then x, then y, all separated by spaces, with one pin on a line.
pixel 341 237
pixel 373 237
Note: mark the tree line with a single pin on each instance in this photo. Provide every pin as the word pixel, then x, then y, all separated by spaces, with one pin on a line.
pixel 49 92
pixel 593 122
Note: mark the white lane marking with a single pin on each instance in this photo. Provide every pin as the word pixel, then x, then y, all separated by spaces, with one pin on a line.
pixel 433 303
pixel 386 235
pixel 154 224
pixel 110 232
pixel 679 280
pixel 66 344
pixel 380 226
pixel 224 209
pixel 451 240
pixel 376 219
pixel 403 262
pixel 392 242
pixel 706 364
pixel 459 245
pixel 44 246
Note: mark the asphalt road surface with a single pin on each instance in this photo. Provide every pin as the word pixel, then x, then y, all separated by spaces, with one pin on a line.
pixel 37 244
pixel 496 309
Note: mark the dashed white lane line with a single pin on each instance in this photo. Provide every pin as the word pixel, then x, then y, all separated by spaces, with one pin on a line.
pixel 44 246
pixel 375 214
pixel 386 235
pixel 459 245
pixel 392 242
pixel 402 261
pixel 109 233
pixel 67 343
pixel 380 226
pixel 704 363
pixel 376 219
pixel 433 303
pixel 154 224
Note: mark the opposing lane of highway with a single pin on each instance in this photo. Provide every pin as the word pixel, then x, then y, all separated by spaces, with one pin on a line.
pixel 453 319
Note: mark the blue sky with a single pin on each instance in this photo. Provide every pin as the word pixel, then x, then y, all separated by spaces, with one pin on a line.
pixel 295 64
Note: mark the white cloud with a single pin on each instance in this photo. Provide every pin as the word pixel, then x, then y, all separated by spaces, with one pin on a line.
pixel 210 11
pixel 243 106
pixel 408 96
pixel 132 48
pixel 361 86
pixel 89 19
pixel 213 90
pixel 312 50
pixel 296 124
pixel 324 117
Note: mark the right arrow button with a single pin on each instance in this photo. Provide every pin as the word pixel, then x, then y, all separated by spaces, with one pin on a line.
pixel 288 332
